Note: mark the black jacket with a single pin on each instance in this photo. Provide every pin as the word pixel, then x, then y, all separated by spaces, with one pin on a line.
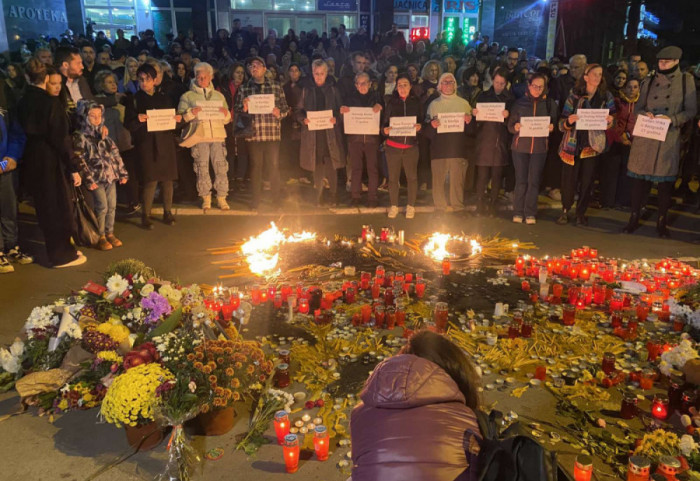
pixel 356 99
pixel 529 107
pixel 398 107
pixel 492 137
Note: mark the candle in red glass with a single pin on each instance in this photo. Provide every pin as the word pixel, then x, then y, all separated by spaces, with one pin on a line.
pixel 585 273
pixel 616 303
pixel 420 289
pixel 616 319
pixel 569 315
pixel 350 295
pixel 593 253
pixel 638 469
pixel 235 301
pixel 282 376
pixel 557 290
pixel 688 400
pixel 526 328
pixel 263 297
pixel 678 324
pixel 585 251
pixel 321 442
pixel 526 286
pixel 440 316
pixel 646 379
pixel 303 305
pixel 573 293
pixel 513 330
pixel 227 312
pixel 659 406
pixel 389 296
pixel 573 271
pixel 587 294
pixel 599 294
pixel 375 291
pixel 583 468
pixel 277 301
pixel 365 278
pixel 409 277
pixel 389 279
pixel 400 317
pixel 379 271
pixel 541 372
pixel 520 263
pixel 366 311
pixel 255 295
pixel 390 317
pixel 608 365
pixel 665 313
pixel 282 425
pixel 446 266
pixel 379 316
pixel 291 453
pixel 628 408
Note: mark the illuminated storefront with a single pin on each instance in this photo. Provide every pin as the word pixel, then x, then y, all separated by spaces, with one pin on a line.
pixel 447 16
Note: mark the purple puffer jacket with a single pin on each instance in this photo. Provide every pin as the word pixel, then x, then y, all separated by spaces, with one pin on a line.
pixel 411 425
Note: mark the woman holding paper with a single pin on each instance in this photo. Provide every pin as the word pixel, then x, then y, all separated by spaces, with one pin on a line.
pixel 530 150
pixel 448 146
pixel 579 149
pixel 669 95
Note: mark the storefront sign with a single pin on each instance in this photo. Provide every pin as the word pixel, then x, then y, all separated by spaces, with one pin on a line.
pixel 415 5
pixel 43 17
pixel 337 5
pixel 461 6
pixel 522 23
pixel 364 21
pixel 42 14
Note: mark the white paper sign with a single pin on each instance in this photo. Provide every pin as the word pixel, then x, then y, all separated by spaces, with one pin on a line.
pixel 655 128
pixel 592 119
pixel 261 103
pixel 451 122
pixel 402 126
pixel 361 121
pixel 534 126
pixel 210 110
pixel 319 119
pixel 160 119
pixel 490 111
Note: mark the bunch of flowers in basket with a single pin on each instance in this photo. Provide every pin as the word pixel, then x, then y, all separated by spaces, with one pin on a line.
pixel 231 368
pixel 131 398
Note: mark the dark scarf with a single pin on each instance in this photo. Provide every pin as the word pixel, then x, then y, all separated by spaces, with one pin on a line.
pixel 670 70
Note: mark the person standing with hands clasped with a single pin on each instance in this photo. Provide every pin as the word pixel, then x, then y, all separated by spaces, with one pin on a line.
pixel 402 150
pixel 669 95
pixel 264 144
pixel 448 150
pixel 101 168
pixel 529 153
pixel 579 149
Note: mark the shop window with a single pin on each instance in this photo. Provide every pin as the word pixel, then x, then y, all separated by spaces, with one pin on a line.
pixel 296 5
pixel 98 15
pixel 350 21
pixel 122 3
pixel 183 23
pixel 123 16
pixel 251 4
pixel 160 3
pixel 420 21
pixel 162 25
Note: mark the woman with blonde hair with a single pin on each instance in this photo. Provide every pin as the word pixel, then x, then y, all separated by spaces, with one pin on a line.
pixel 130 83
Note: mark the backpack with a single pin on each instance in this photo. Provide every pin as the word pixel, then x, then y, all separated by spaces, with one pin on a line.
pixel 512 455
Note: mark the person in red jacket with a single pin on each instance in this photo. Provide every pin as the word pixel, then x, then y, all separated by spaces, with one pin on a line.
pixel 417 410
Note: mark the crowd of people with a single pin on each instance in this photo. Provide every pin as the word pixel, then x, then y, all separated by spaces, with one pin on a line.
pixel 78 112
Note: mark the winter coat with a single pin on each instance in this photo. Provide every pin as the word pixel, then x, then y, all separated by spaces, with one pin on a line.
pixel 12 138
pixel 334 136
pixel 356 99
pixel 411 106
pixel 211 129
pixel 625 119
pixel 156 150
pixel 577 143
pixel 114 121
pixel 291 129
pixel 663 95
pixel 411 424
pixel 100 159
pixel 530 107
pixel 493 137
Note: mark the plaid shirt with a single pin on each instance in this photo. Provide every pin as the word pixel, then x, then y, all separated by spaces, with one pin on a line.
pixel 266 126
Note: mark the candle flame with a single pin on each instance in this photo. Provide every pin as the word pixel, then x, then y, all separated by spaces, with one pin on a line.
pixel 436 246
pixel 262 251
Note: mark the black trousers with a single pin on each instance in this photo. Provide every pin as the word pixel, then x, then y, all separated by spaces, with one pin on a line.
pixel 553 165
pixel 640 191
pixel 484 174
pixel 149 193
pixel 130 190
pixel 614 183
pixel 583 171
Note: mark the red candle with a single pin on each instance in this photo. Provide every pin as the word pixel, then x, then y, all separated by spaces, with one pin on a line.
pixel 557 290
pixel 513 330
pixel 569 315
pixel 409 277
pixel 526 286
pixel 321 442
pixel 608 365
pixel 282 376
pixel 255 295
pixel 573 293
pixel 366 310
pixel 365 278
pixel 235 301
pixel 227 312
pixel 440 316
pixel 350 295
pixel 659 406
pixel 303 305
pixel 446 267
pixel 282 425
pixel 375 290
pixel 278 301
pixel 271 291
pixel 541 373
pixel 593 253
pixel 628 408
pixel 379 315
pixel 389 297
pixel 526 328
pixel 291 453
pixel 263 297
pixel 420 289
pixel 400 317
pixel 585 273
pixel 599 294
pixel 583 468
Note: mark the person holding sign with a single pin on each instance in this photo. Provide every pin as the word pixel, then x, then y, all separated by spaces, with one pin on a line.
pixel 446 118
pixel 206 109
pixel 579 149
pixel 670 95
pixel 321 150
pixel 155 148
pixel 402 147
pixel 529 152
pixel 363 145
pixel 264 145
pixel 492 143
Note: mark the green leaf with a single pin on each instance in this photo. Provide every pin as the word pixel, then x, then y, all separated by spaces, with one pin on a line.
pixel 168 325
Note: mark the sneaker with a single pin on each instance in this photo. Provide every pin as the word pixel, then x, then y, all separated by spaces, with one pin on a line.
pixel 555 194
pixel 81 259
pixel 112 239
pixel 206 202
pixel 384 187
pixel 518 219
pixel 393 212
pixel 132 209
pixel 304 180
pixel 563 218
pixel 5 266
pixel 266 185
pixel 410 212
pixel 530 220
pixel 146 223
pixel 18 257
pixel 223 205
pixel 365 188
pixel 103 244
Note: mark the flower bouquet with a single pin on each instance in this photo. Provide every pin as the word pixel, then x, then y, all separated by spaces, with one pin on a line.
pixel 269 402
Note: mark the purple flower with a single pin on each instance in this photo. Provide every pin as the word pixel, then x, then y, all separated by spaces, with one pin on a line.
pixel 157 306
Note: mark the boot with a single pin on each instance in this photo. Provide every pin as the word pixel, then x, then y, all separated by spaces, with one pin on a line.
pixel 633 224
pixel 168 218
pixel 661 227
pixel 563 218
pixel 146 222
pixel 206 202
pixel 223 205
pixel 103 244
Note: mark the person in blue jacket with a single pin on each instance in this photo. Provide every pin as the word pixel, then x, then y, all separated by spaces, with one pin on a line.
pixel 12 140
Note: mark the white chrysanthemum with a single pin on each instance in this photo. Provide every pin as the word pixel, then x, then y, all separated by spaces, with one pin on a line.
pixel 171 294
pixel 17 348
pixel 40 318
pixel 688 444
pixel 74 331
pixel 8 361
pixel 117 284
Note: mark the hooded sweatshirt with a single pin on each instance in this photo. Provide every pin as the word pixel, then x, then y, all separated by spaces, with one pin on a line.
pixel 450 145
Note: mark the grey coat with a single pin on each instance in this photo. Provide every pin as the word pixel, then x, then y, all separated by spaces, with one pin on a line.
pixel 662 95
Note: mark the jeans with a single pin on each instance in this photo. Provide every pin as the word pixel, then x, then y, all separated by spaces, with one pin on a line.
pixel 266 154
pixel 8 211
pixel 528 173
pixel 408 159
pixel 214 152
pixel 105 200
pixel 457 170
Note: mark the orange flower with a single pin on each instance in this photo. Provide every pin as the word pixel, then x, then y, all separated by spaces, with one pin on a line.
pixel 212 379
pixel 199 356
pixel 250 369
pixel 219 391
pixel 198 365
pixel 236 396
pixel 228 393
pixel 228 351
pixel 220 361
pixel 206 369
pixel 235 383
pixel 238 365
pixel 262 378
pixel 229 371
pixel 190 357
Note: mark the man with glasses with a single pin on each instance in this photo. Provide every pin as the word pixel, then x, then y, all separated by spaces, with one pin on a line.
pixel 363 145
pixel 512 58
pixel 264 144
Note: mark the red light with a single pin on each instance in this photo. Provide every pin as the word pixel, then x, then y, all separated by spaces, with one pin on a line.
pixel 419 33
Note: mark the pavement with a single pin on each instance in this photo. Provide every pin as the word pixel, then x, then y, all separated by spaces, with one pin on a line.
pixel 77 444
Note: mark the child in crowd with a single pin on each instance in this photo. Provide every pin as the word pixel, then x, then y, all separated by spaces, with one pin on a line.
pixel 102 168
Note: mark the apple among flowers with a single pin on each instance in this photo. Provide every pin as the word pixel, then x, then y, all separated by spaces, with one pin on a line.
pixel 143 354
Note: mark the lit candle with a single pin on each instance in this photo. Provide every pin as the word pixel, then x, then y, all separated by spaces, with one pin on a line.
pixel 583 468
pixel 321 442
pixel 291 453
pixel 303 306
pixel 659 406
pixel 446 266
pixel 281 423
pixel 638 469
pixel 420 289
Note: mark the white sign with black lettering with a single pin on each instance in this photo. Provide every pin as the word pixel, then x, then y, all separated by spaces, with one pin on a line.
pixel 319 119
pixel 211 110
pixel 490 111
pixel 450 122
pixel 361 121
pixel 592 119
pixel 534 126
pixel 160 119
pixel 402 126
pixel 655 128
pixel 261 103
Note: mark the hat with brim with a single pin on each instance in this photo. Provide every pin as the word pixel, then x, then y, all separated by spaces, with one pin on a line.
pixel 669 53
pixel 250 60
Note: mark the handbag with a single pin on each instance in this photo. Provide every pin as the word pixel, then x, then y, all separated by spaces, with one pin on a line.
pixel 87 230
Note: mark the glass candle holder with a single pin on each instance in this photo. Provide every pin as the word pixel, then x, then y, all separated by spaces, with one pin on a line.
pixel 440 316
pixel 628 408
pixel 255 295
pixel 365 278
pixel 668 467
pixel 379 315
pixel 390 317
pixel 282 425
pixel 420 288
pixel 646 381
pixel 513 329
pixel 282 376
pixel 526 328
pixel 235 301
pixel 446 266
pixel 389 296
pixel 284 356
pixel 583 468
pixel 638 469
pixel 659 406
pixel 321 443
pixel 376 290
pixel 608 365
pixel 366 311
pixel 569 315
pixel 290 450
pixel 688 400
pixel 350 295
pixel 303 306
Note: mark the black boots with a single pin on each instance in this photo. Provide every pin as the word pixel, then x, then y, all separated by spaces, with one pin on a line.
pixel 632 225
pixel 168 218
pixel 661 227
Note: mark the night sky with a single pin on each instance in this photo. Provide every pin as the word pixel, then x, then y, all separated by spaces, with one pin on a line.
pixel 679 24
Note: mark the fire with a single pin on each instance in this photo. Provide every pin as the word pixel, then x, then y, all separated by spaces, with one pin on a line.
pixel 436 247
pixel 262 251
